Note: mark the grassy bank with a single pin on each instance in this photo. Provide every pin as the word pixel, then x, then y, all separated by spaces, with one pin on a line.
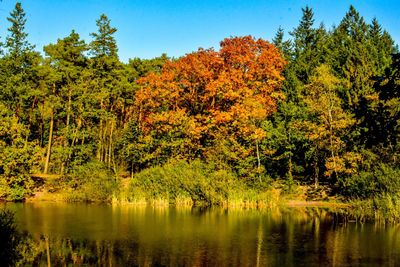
pixel 383 208
pixel 197 183
pixel 177 182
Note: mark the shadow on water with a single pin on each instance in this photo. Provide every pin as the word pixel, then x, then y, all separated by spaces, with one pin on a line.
pixel 10 239
pixel 103 235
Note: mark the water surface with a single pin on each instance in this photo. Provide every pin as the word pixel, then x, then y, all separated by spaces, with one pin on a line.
pixel 110 235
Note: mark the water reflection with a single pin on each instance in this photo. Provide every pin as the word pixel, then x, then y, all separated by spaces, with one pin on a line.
pixel 104 235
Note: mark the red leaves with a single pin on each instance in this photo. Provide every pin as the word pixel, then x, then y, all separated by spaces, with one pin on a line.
pixel 223 91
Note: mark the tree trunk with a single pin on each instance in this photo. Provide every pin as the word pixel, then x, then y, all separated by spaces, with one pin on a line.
pixel 331 141
pixel 46 165
pixel 99 149
pixel 48 251
pixel 104 143
pixel 316 172
pixel 258 161
pixel 110 144
pixel 290 170
pixel 69 108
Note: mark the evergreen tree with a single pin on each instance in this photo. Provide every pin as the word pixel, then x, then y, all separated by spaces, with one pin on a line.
pixel 309 48
pixel 351 57
pixel 16 41
pixel 383 117
pixel 104 43
pixel 382 46
pixel 19 69
pixel 285 46
pixel 109 86
pixel 308 51
pixel 304 34
pixel 65 63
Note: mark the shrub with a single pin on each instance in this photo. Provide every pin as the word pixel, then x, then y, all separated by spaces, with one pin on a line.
pixel 92 181
pixel 16 164
pixel 381 180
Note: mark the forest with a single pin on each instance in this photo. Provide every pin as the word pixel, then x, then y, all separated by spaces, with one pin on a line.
pixel 318 108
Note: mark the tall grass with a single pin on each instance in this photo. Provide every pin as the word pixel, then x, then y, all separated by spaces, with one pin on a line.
pixel 382 208
pixel 196 183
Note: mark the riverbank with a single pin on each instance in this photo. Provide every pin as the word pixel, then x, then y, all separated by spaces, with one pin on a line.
pixel 272 197
pixel 378 209
pixel 196 183
pixel 290 203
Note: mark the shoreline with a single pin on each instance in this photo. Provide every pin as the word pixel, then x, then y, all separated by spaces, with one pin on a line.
pixel 316 204
pixel 286 203
pixel 355 210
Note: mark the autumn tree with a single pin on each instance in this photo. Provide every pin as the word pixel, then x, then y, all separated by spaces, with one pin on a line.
pixel 210 103
pixel 329 124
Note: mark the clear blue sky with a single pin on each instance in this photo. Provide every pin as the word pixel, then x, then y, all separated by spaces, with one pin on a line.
pixel 148 28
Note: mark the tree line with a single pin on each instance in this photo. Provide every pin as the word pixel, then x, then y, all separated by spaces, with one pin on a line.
pixel 319 107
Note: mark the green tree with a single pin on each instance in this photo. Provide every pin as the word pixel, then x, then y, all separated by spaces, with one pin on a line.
pixel 19 70
pixel 65 64
pixel 382 46
pixel 104 44
pixel 283 147
pixel 109 84
pixel 285 46
pixel 142 67
pixel 286 145
pixel 351 58
pixel 309 46
pixel 384 115
pixel 18 158
pixel 16 42
pixel 359 53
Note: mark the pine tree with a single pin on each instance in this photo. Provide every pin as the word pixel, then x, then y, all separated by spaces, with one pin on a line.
pixel 19 66
pixel 65 63
pixel 104 43
pixel 16 42
pixel 304 34
pixel 108 87
pixel 351 57
pixel 381 46
pixel 285 46
pixel 309 46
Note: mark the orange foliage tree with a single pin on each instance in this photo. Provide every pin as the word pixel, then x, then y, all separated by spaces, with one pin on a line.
pixel 210 103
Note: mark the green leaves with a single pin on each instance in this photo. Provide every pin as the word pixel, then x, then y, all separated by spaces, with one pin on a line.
pixel 18 158
pixel 16 42
pixel 104 43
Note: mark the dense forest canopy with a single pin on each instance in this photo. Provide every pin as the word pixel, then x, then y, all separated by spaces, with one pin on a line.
pixel 318 107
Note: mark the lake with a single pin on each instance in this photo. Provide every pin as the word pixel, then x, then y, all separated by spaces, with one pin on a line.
pixel 125 235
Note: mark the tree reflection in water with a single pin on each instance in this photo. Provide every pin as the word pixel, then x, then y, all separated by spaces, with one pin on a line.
pixel 162 236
